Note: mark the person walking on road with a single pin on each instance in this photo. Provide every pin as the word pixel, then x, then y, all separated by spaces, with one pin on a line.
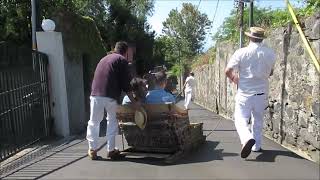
pixel 188 89
pixel 111 77
pixel 250 68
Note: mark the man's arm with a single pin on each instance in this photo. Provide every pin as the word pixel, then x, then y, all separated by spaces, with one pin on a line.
pixel 233 66
pixel 232 75
pixel 130 96
pixel 125 84
pixel 134 103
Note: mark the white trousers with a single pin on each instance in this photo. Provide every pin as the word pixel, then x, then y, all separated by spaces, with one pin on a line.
pixel 187 98
pixel 246 107
pixel 98 105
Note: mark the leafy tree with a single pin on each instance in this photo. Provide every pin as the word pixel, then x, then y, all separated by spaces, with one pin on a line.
pixel 263 17
pixel 188 28
pixel 115 19
pixel 14 22
pixel 311 7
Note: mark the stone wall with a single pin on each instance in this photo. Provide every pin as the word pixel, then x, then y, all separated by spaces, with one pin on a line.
pixel 293 116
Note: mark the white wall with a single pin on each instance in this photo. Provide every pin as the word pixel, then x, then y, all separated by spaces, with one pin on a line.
pixel 51 44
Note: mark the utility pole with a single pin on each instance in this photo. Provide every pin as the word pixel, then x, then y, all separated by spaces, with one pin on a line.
pixel 241 7
pixel 33 24
pixel 180 78
pixel 251 14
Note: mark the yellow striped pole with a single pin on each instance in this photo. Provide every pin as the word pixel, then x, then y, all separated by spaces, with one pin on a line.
pixel 304 39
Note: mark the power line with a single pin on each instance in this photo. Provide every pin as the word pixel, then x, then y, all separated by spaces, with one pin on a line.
pixel 215 12
pixel 198 4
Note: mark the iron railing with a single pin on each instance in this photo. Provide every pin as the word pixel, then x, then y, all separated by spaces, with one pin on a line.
pixel 24 105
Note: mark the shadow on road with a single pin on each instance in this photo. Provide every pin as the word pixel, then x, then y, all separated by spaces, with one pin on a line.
pixel 206 153
pixel 50 161
pixel 271 155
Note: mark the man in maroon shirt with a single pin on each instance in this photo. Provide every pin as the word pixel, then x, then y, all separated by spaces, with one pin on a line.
pixel 111 77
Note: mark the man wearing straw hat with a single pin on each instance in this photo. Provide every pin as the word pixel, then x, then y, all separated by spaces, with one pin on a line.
pixel 249 68
pixel 111 77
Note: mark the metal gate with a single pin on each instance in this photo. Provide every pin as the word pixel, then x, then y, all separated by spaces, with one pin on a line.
pixel 24 103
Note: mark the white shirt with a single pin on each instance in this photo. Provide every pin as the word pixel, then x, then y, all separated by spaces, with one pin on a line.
pixel 190 83
pixel 254 64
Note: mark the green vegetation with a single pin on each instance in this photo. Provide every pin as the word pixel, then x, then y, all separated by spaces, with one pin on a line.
pixel 179 47
pixel 184 34
pixel 188 28
pixel 263 17
pixel 205 58
pixel 181 52
pixel 81 37
pixel 311 7
pixel 116 20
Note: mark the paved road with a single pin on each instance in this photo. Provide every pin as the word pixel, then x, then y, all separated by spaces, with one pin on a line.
pixel 217 159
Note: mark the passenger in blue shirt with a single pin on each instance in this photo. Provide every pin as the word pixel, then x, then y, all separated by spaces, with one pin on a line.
pixel 159 95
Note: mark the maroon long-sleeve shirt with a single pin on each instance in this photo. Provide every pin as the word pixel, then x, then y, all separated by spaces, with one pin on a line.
pixel 111 77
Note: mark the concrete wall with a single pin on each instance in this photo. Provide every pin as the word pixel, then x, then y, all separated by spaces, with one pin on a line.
pixel 51 44
pixel 293 116
pixel 75 95
pixel 66 85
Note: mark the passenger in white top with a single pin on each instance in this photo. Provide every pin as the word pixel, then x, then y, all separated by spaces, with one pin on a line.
pixel 188 89
pixel 250 68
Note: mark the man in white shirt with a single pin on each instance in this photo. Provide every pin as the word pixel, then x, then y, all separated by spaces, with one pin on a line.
pixel 188 89
pixel 250 68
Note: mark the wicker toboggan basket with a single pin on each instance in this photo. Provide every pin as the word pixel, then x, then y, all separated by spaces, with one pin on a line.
pixel 168 129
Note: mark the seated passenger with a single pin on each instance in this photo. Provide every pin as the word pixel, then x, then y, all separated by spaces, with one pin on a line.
pixel 139 89
pixel 159 95
pixel 151 80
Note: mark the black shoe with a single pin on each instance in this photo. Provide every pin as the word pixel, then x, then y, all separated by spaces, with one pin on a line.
pixel 246 149
pixel 115 155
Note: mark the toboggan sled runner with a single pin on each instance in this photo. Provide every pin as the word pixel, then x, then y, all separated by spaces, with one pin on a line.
pixel 168 132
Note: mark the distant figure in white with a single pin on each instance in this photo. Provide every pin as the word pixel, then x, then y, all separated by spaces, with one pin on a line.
pixel 188 89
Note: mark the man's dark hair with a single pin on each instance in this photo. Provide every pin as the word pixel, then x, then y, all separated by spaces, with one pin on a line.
pixel 160 77
pixel 139 88
pixel 137 82
pixel 121 47
pixel 192 74
pixel 151 80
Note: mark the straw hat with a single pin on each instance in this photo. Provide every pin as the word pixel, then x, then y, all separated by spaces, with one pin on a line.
pixel 256 32
pixel 140 118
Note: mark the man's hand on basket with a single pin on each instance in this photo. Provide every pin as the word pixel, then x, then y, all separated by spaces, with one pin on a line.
pixel 134 103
